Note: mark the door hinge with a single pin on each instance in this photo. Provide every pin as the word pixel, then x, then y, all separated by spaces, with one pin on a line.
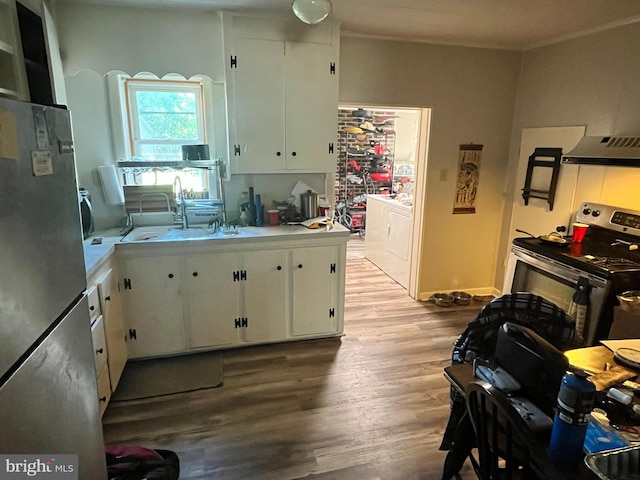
pixel 239 275
pixel 332 68
pixel 127 283
pixel 234 62
pixel 331 148
pixel 132 333
pixel 332 313
pixel 241 322
pixel 236 150
pixel 332 268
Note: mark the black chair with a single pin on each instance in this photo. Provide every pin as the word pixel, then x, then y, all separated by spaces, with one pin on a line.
pixel 479 341
pixel 507 448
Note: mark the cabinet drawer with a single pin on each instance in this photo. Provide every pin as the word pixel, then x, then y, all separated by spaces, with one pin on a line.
pixel 99 344
pixel 104 389
pixel 94 303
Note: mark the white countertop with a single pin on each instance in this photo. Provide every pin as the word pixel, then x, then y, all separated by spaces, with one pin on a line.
pixel 100 245
pixel 390 201
pixel 96 253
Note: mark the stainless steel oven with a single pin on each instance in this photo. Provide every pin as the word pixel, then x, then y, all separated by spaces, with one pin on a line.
pixel 607 260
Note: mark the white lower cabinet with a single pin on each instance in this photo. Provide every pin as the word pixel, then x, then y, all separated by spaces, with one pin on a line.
pixel 107 328
pixel 101 358
pixel 220 299
pixel 152 305
pixel 316 274
pixel 115 337
pixel 266 299
pixel 213 298
pixel 234 298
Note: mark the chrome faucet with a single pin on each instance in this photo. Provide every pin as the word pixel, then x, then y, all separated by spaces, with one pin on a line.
pixel 180 214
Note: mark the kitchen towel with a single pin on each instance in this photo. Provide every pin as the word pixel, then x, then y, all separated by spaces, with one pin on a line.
pixel 110 185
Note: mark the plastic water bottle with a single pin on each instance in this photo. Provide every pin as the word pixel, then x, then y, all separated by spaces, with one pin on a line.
pixel 575 402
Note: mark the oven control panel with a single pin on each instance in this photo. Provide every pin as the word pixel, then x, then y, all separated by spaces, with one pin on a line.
pixel 624 219
pixel 613 218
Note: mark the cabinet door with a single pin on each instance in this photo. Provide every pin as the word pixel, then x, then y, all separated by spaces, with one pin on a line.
pixel 13 81
pixel 316 274
pixel 152 305
pixel 266 305
pixel 99 344
pixel 213 298
pixel 256 106
pixel 111 305
pixel 104 389
pixel 311 101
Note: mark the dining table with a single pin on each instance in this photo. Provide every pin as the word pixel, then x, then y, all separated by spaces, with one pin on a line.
pixel 595 361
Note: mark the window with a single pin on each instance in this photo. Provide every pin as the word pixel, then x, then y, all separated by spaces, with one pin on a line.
pixel 163 116
pixel 159 117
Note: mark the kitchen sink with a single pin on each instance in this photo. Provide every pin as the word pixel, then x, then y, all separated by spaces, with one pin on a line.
pixel 165 233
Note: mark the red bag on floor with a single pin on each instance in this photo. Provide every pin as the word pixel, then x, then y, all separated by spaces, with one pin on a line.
pixel 138 463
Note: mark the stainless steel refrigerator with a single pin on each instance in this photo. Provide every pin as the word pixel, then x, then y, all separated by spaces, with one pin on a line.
pixel 48 393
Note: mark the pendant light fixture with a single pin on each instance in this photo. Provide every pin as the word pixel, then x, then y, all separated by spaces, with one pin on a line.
pixel 311 11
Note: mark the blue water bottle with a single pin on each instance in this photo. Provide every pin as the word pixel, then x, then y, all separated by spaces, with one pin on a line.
pixel 575 402
pixel 258 211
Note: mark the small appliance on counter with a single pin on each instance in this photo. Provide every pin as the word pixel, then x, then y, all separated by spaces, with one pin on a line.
pixel 309 204
pixel 86 211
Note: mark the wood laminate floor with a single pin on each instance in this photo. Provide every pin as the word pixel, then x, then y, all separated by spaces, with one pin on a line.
pixel 371 404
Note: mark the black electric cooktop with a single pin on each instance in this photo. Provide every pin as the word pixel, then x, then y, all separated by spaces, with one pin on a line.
pixel 595 255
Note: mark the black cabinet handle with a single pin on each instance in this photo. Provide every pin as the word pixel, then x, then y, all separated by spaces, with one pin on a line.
pixel 100 351
pixel 279 267
pixel 195 274
pixel 278 154
pixel 103 399
pixel 299 265
pixel 106 299
pixel 171 275
pixel 293 154
pixel 92 308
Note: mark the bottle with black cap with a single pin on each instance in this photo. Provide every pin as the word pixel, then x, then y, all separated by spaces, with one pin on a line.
pixel 575 402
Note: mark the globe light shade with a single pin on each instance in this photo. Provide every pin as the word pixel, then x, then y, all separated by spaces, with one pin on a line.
pixel 311 11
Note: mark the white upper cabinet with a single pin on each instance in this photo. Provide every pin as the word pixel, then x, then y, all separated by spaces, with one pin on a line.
pixel 311 107
pixel 12 72
pixel 256 107
pixel 30 64
pixel 282 99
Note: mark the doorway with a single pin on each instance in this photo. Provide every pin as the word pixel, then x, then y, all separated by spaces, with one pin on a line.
pixel 382 158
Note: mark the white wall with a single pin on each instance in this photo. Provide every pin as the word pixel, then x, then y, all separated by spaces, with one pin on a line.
pixel 160 41
pixel 471 92
pixel 591 81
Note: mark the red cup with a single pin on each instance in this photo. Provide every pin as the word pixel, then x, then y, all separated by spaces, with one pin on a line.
pixel 274 217
pixel 579 229
pixel 576 249
pixel 323 210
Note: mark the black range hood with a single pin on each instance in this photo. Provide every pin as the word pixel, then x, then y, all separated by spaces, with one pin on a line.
pixel 622 151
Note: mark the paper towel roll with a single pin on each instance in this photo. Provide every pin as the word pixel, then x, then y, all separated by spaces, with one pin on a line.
pixel 110 185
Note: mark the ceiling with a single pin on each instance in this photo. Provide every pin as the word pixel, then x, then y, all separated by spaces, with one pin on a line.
pixel 509 24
